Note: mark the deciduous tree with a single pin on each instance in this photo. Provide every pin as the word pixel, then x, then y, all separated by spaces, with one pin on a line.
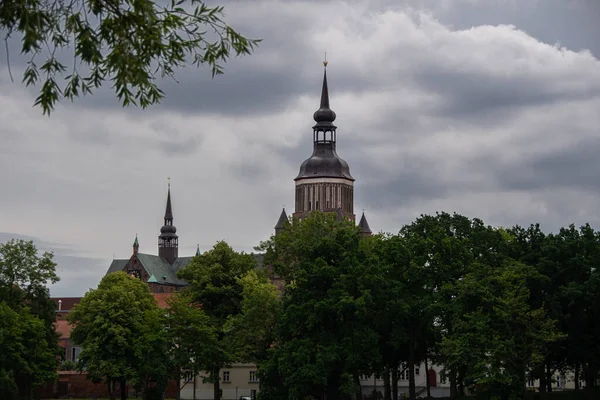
pixel 215 285
pixel 119 328
pixel 75 46
pixel 29 345
pixel 325 336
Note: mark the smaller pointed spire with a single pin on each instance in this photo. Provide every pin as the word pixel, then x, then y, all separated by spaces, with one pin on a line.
pixel 136 245
pixel 198 250
pixel 283 222
pixel 365 230
pixel 169 210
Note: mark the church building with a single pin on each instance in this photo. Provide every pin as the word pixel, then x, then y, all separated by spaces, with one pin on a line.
pixel 324 184
pixel 158 271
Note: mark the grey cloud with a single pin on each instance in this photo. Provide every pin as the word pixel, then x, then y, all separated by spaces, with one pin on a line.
pixel 574 167
pixel 77 273
pixel 551 21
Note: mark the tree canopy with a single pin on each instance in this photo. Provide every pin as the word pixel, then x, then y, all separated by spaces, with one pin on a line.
pixel 220 285
pixel 28 341
pixel 120 329
pixel 75 46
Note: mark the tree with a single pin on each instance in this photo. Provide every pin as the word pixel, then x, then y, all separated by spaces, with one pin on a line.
pixel 191 338
pixel 215 285
pixel 496 331
pixel 119 328
pixel 28 341
pixel 324 336
pixel 130 43
pixel 252 332
pixel 27 359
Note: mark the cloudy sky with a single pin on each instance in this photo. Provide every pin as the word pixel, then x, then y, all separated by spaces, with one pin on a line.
pixel 490 108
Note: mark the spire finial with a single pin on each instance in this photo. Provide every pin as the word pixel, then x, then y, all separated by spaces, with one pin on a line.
pixel 325 61
pixel 169 182
pixel 198 249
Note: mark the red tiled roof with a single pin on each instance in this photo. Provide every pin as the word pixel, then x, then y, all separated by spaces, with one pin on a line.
pixel 64 329
pixel 67 302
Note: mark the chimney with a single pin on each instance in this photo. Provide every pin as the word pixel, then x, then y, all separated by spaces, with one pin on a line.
pixel 59 305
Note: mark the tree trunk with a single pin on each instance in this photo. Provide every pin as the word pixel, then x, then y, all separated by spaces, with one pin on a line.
pixel 577 376
pixel 123 384
pixel 590 380
pixel 357 388
pixel 453 389
pixel 427 383
pixel 395 383
pixel 216 384
pixel 412 393
pixel 387 395
pixel 333 386
pixel 548 379
pixel 194 389
pixel 178 393
pixel 110 390
pixel 460 380
pixel 543 381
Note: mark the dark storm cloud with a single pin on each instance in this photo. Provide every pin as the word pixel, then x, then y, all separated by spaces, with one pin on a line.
pixel 491 98
pixel 574 167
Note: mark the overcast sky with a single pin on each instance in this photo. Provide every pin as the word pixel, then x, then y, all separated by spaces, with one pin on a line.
pixel 490 108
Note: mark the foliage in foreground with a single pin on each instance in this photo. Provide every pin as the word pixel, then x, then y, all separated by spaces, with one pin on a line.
pixel 28 341
pixel 485 303
pixel 76 46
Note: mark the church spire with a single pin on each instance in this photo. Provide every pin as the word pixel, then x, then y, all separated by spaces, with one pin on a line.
pixel 168 241
pixel 169 210
pixel 325 116
pixel 282 222
pixel 136 245
pixel 365 229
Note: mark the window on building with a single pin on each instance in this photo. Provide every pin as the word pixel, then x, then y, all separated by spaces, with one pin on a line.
pixel 559 381
pixel 417 371
pixel 75 351
pixel 403 375
pixel 253 377
pixel 188 376
pixel 226 376
pixel 530 382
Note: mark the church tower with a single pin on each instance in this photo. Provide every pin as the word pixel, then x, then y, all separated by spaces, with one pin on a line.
pixel 324 182
pixel 168 241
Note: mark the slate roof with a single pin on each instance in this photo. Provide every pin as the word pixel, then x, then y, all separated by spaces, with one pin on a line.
pixel 283 220
pixel 161 270
pixel 364 225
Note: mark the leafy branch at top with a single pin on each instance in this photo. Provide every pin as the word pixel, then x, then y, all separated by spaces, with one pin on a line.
pixel 131 43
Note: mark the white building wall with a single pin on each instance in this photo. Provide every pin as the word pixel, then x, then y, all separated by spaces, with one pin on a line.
pixel 235 382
